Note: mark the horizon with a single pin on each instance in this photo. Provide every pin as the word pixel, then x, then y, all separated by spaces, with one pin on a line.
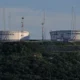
pixel 58 15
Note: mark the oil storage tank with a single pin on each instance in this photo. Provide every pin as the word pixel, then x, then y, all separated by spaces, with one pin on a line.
pixel 65 35
pixel 14 35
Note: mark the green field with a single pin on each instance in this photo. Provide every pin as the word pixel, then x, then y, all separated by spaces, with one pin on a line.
pixel 45 60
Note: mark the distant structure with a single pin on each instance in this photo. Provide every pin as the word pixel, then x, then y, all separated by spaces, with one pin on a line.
pixel 73 22
pixel 7 35
pixel 43 29
pixel 22 26
pixel 65 35
pixel 14 35
pixel 9 21
pixel 4 22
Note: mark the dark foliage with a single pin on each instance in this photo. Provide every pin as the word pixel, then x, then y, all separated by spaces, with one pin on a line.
pixel 39 61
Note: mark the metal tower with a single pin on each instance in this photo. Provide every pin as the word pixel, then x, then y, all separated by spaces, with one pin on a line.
pixel 22 27
pixel 73 24
pixel 4 37
pixel 4 18
pixel 43 22
pixel 9 22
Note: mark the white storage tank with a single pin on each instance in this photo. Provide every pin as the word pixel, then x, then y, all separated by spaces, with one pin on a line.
pixel 14 35
pixel 65 35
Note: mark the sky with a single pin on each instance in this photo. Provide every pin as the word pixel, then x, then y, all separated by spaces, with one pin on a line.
pixel 58 15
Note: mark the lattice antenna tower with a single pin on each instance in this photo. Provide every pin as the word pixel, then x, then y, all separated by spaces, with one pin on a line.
pixel 73 23
pixel 73 19
pixel 22 26
pixel 4 38
pixel 9 23
pixel 43 23
pixel 4 19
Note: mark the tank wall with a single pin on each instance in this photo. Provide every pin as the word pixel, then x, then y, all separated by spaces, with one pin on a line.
pixel 60 35
pixel 65 35
pixel 77 37
pixel 24 36
pixel 12 35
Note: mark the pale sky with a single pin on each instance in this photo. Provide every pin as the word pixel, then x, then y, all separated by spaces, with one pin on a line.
pixel 57 15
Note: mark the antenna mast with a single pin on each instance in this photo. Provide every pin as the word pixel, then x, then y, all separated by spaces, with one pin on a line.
pixel 9 23
pixel 73 23
pixel 4 18
pixel 73 19
pixel 22 26
pixel 43 26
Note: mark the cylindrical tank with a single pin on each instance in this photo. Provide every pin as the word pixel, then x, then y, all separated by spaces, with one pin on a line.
pixel 14 35
pixel 65 35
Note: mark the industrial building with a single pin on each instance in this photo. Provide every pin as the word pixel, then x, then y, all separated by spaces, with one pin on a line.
pixel 14 35
pixel 65 35
pixel 8 35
